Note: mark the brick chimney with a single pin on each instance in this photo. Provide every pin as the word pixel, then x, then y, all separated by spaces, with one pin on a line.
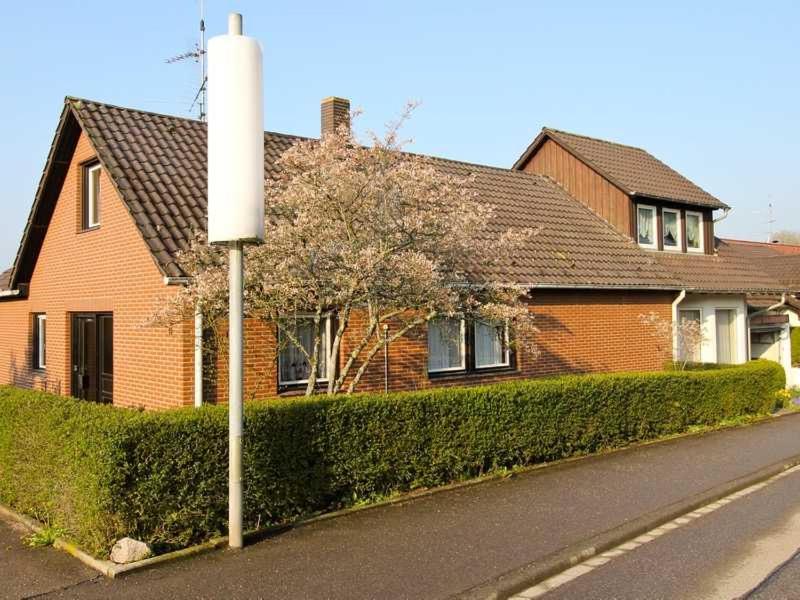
pixel 333 112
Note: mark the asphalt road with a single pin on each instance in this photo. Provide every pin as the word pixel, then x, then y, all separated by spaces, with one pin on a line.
pixel 724 554
pixel 439 546
pixel 29 572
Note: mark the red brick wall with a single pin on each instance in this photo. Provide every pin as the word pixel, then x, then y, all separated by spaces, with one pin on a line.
pixel 109 269
pixel 580 332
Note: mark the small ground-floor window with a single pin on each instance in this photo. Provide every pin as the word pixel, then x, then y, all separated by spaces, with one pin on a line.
pixel 39 341
pixel 491 345
pixel 455 345
pixel 296 342
pixel 690 350
pixel 446 345
pixel 726 335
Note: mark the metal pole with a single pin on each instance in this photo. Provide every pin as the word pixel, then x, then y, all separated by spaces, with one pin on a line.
pixel 235 398
pixel 198 357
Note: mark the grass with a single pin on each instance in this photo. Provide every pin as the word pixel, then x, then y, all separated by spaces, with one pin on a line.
pixel 47 536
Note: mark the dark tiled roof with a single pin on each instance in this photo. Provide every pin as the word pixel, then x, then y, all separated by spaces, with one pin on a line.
pixel 159 165
pixel 728 270
pixel 5 279
pixel 574 247
pixel 634 170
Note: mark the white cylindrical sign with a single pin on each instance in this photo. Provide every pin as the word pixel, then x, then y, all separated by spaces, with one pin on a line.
pixel 235 140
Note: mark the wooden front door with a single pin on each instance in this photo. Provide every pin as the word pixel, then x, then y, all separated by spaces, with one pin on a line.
pixel 93 357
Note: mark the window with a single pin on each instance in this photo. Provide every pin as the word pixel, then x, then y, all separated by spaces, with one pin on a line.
pixel 460 346
pixel 646 226
pixel 39 341
pixel 91 196
pixel 694 231
pixel 671 223
pixel 687 352
pixel 446 345
pixel 491 345
pixel 726 335
pixel 293 364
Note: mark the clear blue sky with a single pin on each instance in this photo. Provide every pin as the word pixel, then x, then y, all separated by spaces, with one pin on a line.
pixel 711 89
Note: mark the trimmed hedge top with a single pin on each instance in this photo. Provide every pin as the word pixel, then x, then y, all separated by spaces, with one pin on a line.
pixel 103 473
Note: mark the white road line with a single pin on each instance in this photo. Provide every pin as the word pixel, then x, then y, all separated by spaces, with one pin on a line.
pixel 589 565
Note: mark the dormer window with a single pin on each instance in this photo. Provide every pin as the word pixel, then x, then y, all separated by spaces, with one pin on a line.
pixel 91 196
pixel 646 226
pixel 671 224
pixel 694 231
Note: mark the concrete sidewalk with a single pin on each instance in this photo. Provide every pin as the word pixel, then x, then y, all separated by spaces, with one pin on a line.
pixel 445 544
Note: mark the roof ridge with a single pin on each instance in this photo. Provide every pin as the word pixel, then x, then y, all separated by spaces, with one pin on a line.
pixel 594 139
pixel 129 109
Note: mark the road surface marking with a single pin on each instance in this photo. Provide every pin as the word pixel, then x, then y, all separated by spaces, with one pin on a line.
pixel 589 565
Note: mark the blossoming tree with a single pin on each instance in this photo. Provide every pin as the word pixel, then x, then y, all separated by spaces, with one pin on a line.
pixel 360 230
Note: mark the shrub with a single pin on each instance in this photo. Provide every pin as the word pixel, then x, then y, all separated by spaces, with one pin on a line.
pixel 102 473
pixel 795 339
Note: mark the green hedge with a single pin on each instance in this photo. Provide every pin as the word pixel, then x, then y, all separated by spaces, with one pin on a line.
pixel 101 473
pixel 795 338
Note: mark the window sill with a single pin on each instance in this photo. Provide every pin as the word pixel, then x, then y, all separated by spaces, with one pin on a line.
pixel 299 389
pixel 88 229
pixel 472 374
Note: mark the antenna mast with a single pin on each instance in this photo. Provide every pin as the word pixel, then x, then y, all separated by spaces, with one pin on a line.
pixel 199 56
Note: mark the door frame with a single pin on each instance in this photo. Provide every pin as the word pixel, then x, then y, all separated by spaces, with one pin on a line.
pixel 102 396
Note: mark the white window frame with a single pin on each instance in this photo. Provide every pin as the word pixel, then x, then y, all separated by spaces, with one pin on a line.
pixel 702 247
pixel 327 350
pixel 736 334
pixel 463 366
pixel 654 245
pixel 697 309
pixel 679 246
pixel 92 207
pixel 506 352
pixel 41 341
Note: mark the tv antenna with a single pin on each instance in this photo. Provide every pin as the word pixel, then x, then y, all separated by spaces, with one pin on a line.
pixel 770 219
pixel 199 56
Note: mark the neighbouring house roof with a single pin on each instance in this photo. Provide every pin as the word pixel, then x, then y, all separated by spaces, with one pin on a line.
pixel 727 270
pixel 5 279
pixel 158 165
pixel 633 170
pixel 780 261
pixel 766 248
pixel 760 302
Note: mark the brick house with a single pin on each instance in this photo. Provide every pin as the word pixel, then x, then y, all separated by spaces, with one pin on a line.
pixel 123 191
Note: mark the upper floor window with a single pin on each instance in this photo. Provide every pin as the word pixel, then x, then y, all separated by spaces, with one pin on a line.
pixel 671 224
pixel 91 196
pixel 297 345
pixel 39 341
pixel 646 226
pixel 694 231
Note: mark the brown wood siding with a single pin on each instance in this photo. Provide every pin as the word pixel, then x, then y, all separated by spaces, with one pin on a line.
pixel 708 221
pixel 583 183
